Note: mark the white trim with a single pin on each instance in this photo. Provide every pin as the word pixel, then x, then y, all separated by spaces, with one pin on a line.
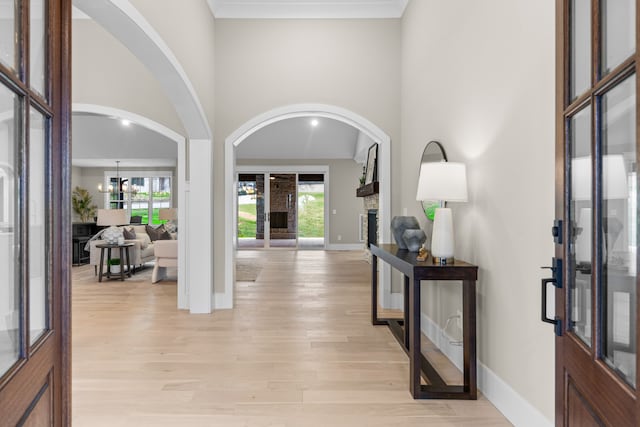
pixel 344 247
pixel 296 9
pixel 511 404
pixel 183 285
pixel 307 110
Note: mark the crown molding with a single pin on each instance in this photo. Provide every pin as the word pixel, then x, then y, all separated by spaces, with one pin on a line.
pixel 312 9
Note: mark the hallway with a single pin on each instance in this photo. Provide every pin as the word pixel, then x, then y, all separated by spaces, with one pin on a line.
pixel 298 350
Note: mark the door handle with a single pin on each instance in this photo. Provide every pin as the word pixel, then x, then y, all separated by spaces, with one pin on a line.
pixel 556 280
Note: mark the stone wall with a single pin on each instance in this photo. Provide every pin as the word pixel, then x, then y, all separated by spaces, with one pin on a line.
pixel 370 202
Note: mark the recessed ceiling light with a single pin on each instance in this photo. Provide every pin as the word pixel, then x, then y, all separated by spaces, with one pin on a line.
pixel 314 122
pixel 125 122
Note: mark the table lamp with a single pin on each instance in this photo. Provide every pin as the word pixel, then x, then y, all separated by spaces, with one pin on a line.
pixel 170 215
pixel 445 181
pixel 112 217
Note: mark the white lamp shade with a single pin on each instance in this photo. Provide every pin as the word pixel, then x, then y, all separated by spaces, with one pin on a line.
pixel 614 175
pixel 168 214
pixel 112 217
pixel 442 181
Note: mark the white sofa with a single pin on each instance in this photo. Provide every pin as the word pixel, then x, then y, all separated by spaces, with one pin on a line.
pixel 166 257
pixel 140 253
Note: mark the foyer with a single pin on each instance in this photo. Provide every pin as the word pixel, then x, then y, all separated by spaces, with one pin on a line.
pixel 298 350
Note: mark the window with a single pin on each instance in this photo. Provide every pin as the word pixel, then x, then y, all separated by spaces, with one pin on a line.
pixel 140 193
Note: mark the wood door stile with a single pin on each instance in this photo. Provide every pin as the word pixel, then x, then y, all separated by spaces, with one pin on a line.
pixel 407 331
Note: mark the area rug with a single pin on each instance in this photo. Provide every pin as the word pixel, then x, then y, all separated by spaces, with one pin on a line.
pixel 247 270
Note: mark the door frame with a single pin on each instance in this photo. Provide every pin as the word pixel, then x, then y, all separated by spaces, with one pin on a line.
pixel 269 169
pixel 43 371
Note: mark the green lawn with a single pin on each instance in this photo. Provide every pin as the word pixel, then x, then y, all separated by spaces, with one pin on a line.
pixel 247 226
pixel 144 213
pixel 310 216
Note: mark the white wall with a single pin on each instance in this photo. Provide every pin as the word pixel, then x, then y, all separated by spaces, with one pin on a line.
pixel 106 73
pixel 479 77
pixel 265 64
pixel 343 181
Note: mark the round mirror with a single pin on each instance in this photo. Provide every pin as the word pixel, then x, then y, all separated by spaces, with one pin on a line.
pixel 433 152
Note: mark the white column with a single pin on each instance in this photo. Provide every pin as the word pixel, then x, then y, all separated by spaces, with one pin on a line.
pixel 200 226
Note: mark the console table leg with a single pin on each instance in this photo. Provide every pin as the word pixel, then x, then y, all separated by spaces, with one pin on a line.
pixel 469 337
pixel 374 292
pixel 407 318
pixel 414 336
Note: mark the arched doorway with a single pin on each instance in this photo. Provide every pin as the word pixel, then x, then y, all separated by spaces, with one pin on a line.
pixel 181 175
pixel 383 140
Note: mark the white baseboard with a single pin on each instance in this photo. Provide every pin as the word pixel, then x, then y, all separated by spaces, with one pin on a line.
pixel 222 301
pixel 513 406
pixel 397 301
pixel 345 247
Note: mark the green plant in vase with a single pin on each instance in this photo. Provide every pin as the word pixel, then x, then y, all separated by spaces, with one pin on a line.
pixel 114 265
pixel 82 204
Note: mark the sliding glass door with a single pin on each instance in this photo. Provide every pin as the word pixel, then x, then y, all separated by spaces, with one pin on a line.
pixel 280 210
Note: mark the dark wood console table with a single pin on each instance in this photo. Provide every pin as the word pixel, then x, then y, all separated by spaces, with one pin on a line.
pixel 407 330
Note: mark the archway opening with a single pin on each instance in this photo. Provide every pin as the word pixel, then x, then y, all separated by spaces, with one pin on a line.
pixel 377 135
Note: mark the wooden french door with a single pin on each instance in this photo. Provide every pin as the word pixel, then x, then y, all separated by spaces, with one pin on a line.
pixel 34 212
pixel 597 231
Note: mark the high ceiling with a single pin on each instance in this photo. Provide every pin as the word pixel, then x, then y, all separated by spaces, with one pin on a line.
pixel 98 141
pixel 298 139
pixel 312 9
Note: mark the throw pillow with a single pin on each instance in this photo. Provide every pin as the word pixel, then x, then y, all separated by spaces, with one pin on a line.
pixel 165 235
pixel 155 232
pixel 129 234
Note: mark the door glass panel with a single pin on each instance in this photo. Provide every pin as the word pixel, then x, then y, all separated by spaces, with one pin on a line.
pixel 283 210
pixel 38 283
pixel 9 27
pixel 250 198
pixel 140 194
pixel 10 308
pixel 619 229
pixel 311 211
pixel 161 196
pixel 38 47
pixel 580 217
pixel 618 32
pixel 580 61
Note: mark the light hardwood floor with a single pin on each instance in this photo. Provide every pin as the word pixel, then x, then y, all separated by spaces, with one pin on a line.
pixel 298 350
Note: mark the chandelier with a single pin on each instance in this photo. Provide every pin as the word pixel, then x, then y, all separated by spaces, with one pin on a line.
pixel 122 185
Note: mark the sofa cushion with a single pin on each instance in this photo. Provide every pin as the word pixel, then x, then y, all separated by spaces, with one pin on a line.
pixel 158 233
pixel 154 232
pixel 141 235
pixel 128 233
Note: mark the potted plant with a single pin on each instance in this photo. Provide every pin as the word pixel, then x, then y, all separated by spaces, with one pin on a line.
pixel 114 265
pixel 82 203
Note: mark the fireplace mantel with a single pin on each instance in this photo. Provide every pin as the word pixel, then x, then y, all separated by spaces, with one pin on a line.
pixel 368 189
